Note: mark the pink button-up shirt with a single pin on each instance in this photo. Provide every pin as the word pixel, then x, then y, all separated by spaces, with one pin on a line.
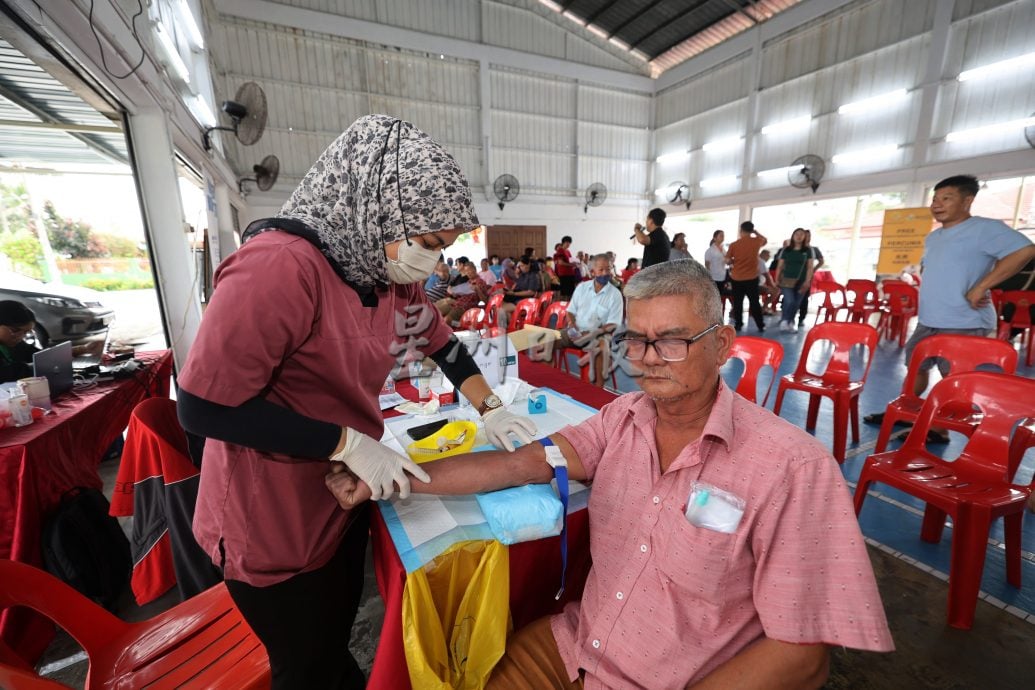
pixel 667 602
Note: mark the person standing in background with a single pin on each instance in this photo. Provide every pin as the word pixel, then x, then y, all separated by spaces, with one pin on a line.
pixel 567 272
pixel 715 262
pixel 743 260
pixel 679 250
pixel 656 246
pixel 817 259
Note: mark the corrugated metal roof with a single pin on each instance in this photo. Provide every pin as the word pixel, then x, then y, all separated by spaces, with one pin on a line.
pixel 29 95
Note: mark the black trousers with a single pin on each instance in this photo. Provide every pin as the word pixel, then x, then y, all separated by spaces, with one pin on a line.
pixel 749 289
pixel 803 309
pixel 568 284
pixel 306 621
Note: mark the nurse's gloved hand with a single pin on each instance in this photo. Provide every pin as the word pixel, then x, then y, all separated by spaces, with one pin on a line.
pixel 500 423
pixel 378 466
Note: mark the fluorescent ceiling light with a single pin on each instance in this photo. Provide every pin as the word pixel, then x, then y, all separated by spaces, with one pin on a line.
pixel 998 68
pixel 555 6
pixel 788 125
pixel 596 30
pixel 773 172
pixel 193 31
pixel 989 130
pixel 205 113
pixel 171 54
pixel 872 103
pixel 619 42
pixel 718 181
pixel 865 154
pixel 722 144
pixel 671 157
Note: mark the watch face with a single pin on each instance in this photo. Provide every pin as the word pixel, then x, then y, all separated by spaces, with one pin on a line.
pixel 492 401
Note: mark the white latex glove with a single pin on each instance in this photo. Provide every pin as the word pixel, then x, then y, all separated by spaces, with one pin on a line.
pixel 378 465
pixel 501 422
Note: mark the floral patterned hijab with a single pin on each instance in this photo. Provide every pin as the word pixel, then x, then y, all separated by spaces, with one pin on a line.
pixel 379 182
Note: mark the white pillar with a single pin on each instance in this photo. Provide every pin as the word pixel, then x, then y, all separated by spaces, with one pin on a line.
pixel 228 239
pixel 163 222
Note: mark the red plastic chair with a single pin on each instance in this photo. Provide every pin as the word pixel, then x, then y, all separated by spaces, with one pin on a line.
pixel 524 311
pixel 1021 301
pixel 473 319
pixel 835 300
pixel 835 382
pixel 864 301
pixel 898 307
pixel 492 310
pixel 203 642
pixel 545 299
pixel 557 312
pixel 963 353
pixel 756 353
pixel 974 489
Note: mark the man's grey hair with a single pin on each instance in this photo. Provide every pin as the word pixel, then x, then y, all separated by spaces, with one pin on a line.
pixel 601 257
pixel 682 277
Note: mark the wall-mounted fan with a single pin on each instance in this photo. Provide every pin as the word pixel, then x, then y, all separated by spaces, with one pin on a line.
pixel 596 194
pixel 1029 133
pixel 248 113
pixel 265 174
pixel 506 188
pixel 679 193
pixel 806 172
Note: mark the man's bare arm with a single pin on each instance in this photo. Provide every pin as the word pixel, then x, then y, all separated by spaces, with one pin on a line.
pixel 1004 268
pixel 771 665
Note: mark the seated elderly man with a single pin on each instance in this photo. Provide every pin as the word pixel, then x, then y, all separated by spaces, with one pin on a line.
pixel 717 599
pixel 594 312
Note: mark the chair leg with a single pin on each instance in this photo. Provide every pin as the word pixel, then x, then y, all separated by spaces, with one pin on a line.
pixel 810 421
pixel 902 331
pixel 840 428
pixel 933 525
pixel 780 390
pixel 969 542
pixel 853 409
pixel 860 490
pixel 1012 529
pixel 885 433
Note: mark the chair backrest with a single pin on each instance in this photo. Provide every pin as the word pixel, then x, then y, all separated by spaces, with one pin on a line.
pixel 899 296
pixel 864 292
pixel 524 310
pixel 472 319
pixel 831 290
pixel 843 337
pixel 89 624
pixel 492 310
pixel 963 353
pixel 556 311
pixel 1022 301
pixel 159 415
pixel 1003 398
pixel 756 353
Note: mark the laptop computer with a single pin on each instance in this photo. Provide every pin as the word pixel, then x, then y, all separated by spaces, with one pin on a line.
pixel 56 364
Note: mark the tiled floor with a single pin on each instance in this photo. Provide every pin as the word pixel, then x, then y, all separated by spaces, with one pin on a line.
pixel 911 573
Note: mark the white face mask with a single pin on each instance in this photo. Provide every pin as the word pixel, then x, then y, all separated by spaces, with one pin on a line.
pixel 415 263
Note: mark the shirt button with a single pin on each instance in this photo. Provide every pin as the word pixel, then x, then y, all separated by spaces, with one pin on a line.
pixel 618 596
pixel 656 500
pixel 596 644
pixel 643 548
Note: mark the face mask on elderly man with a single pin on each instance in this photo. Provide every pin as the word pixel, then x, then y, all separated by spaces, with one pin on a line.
pixel 415 263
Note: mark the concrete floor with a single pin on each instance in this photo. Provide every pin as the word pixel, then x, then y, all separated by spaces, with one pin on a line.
pixel 995 654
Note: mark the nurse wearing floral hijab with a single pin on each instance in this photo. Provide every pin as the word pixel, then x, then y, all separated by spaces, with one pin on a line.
pixel 308 318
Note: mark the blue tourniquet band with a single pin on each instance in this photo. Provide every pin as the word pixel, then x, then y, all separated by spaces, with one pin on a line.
pixel 560 473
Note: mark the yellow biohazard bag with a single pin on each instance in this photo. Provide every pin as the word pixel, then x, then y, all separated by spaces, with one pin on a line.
pixel 456 616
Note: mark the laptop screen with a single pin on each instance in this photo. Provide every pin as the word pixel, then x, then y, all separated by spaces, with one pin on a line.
pixel 56 364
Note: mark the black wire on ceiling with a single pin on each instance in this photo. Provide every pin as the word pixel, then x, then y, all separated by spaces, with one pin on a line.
pixel 100 48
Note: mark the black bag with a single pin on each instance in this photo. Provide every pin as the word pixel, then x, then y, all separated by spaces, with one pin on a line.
pixel 86 547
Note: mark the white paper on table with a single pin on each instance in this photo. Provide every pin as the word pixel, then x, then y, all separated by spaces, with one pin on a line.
pixel 390 400
pixel 423 518
pixel 464 509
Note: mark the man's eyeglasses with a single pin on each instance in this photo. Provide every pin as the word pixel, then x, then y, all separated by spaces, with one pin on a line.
pixel 669 349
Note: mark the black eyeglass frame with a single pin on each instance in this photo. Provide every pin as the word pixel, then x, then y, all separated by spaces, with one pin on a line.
pixel 687 341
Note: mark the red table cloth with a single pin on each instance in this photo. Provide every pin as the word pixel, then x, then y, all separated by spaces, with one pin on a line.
pixel 42 461
pixel 535 566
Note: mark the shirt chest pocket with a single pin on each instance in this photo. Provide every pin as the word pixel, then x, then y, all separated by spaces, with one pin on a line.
pixel 693 559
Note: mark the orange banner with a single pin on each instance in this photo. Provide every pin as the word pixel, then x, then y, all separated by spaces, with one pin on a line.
pixel 902 239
